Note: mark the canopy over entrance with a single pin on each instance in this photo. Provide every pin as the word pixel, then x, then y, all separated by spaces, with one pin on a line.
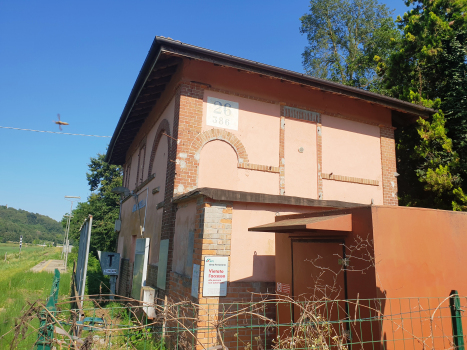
pixel 338 222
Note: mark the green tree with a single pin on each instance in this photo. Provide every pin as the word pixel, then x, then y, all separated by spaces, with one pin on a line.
pixel 428 67
pixel 102 204
pixel 343 38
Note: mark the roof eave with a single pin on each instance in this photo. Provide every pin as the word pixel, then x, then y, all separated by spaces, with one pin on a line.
pixel 148 65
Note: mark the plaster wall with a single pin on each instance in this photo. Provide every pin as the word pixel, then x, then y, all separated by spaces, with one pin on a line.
pixel 419 251
pixel 351 149
pixel 218 169
pixel 301 168
pixel 253 253
pixel 132 220
pixel 258 127
pixel 184 238
pixel 241 82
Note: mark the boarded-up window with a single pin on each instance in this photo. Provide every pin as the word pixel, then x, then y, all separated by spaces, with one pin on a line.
pixel 141 161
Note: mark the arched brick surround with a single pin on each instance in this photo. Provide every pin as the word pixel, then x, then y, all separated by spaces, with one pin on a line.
pixel 222 135
pixel 164 127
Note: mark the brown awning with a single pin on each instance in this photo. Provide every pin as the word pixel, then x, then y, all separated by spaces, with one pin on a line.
pixel 339 222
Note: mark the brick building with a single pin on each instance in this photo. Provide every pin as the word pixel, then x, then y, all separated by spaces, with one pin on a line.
pixel 213 144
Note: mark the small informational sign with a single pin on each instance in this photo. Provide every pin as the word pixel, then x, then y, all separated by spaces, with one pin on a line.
pixel 222 113
pixel 139 205
pixel 283 288
pixel 195 281
pixel 215 276
pixel 110 263
pixel 20 241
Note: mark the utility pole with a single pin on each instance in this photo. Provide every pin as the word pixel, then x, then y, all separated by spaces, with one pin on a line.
pixel 67 242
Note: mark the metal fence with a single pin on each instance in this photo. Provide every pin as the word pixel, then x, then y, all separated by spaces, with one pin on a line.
pixel 274 322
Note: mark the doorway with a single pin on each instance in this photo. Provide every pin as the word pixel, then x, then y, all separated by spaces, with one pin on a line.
pixel 319 281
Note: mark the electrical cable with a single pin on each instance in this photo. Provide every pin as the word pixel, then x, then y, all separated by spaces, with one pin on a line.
pixel 51 132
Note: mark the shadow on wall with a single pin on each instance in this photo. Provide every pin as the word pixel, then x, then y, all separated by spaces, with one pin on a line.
pixel 261 264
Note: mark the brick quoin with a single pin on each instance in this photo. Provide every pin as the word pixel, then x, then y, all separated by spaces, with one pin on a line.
pixel 190 126
pixel 282 153
pixel 187 123
pixel 388 165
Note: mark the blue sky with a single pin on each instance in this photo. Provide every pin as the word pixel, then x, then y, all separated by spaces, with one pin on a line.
pixel 81 58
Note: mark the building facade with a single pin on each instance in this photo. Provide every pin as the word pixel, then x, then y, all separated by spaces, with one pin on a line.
pixel 212 145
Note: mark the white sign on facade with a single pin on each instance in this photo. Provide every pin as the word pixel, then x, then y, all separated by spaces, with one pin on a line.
pixel 215 276
pixel 222 113
pixel 195 281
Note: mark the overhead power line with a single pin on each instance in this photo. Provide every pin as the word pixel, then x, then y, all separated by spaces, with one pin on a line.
pixel 51 132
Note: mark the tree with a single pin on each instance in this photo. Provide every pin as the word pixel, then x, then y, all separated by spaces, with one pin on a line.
pixel 428 67
pixel 102 204
pixel 343 38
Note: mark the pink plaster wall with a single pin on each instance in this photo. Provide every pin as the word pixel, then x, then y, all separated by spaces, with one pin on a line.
pixel 258 127
pixel 168 114
pixel 132 220
pixel 218 166
pixel 184 223
pixel 301 169
pixel 218 169
pixel 351 149
pixel 242 82
pixel 252 253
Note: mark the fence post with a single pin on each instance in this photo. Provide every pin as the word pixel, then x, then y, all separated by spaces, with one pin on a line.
pixel 47 325
pixel 456 318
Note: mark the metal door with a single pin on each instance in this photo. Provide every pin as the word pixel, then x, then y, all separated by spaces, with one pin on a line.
pixel 319 283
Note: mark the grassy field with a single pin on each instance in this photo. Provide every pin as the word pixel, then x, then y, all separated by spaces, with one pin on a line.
pixel 19 286
pixel 11 248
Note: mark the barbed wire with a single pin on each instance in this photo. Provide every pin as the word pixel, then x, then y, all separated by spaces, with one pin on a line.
pixel 51 132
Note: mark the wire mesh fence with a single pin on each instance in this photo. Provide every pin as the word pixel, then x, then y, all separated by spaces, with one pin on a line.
pixel 274 322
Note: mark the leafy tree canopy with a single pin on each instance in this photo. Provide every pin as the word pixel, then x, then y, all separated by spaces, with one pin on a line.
pixel 102 204
pixel 343 38
pixel 428 67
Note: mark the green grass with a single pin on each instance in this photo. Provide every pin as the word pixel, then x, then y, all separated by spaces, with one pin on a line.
pixel 19 286
pixel 11 248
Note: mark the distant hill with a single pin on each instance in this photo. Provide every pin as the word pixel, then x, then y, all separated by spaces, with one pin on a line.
pixel 33 227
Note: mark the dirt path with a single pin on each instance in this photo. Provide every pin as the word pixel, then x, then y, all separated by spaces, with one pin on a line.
pixel 49 266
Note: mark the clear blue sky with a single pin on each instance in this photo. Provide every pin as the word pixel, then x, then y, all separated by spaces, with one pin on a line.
pixel 81 58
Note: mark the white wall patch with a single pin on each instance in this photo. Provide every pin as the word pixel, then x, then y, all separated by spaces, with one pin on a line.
pixel 222 113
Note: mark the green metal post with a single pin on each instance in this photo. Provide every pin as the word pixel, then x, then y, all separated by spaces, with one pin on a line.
pixel 456 318
pixel 47 324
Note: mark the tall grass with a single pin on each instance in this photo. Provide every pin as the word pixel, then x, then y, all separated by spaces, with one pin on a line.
pixel 19 287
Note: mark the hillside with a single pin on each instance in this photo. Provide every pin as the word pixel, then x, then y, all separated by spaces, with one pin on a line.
pixel 17 222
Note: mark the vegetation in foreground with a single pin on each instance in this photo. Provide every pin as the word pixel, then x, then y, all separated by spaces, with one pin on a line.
pixel 20 287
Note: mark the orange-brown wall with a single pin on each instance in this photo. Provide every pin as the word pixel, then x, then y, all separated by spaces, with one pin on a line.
pixel 420 252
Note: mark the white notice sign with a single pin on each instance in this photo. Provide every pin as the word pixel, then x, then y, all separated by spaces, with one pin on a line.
pixel 215 276
pixel 222 113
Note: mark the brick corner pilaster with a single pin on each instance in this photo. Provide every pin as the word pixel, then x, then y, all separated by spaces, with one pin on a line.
pixel 388 165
